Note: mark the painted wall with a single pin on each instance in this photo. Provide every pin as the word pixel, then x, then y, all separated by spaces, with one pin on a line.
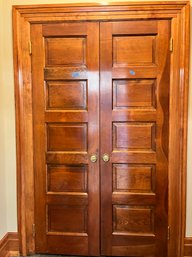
pixel 3 218
pixel 8 217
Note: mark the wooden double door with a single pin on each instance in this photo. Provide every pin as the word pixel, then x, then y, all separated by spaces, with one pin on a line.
pixel 101 123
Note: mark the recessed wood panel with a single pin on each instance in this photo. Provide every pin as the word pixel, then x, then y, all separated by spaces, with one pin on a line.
pixel 133 178
pixel 161 13
pixel 134 93
pixel 66 95
pixel 135 27
pixel 67 219
pixel 133 219
pixel 134 50
pixel 65 51
pixel 66 137
pixel 65 178
pixel 135 136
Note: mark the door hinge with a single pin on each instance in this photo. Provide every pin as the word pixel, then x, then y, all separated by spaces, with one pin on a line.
pixel 171 45
pixel 168 233
pixel 30 48
pixel 33 230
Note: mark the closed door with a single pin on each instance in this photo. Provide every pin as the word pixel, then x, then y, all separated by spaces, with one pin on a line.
pixel 101 121
pixel 65 65
pixel 134 58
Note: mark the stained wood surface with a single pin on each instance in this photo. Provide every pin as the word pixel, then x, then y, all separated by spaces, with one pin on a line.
pixel 24 17
pixel 66 129
pixel 134 190
pixel 9 244
pixel 188 247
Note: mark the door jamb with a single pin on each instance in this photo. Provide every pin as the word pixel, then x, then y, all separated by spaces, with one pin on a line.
pixel 23 17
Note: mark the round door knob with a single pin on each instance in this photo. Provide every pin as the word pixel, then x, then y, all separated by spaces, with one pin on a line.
pixel 106 157
pixel 93 158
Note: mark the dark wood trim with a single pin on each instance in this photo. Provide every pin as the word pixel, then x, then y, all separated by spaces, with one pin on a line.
pixel 9 245
pixel 188 247
pixel 178 13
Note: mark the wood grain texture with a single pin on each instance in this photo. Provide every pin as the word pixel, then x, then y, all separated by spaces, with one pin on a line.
pixel 187 247
pixel 67 137
pixel 126 220
pixel 25 197
pixel 177 199
pixel 133 178
pixel 9 245
pixel 64 214
pixel 119 139
pixel 127 50
pixel 63 178
pixel 65 51
pixel 24 16
pixel 133 136
pixel 67 219
pixel 134 93
pixel 65 95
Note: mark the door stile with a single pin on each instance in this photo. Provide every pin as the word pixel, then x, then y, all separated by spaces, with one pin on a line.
pixel 39 129
pixel 106 135
pixel 162 136
pixel 93 139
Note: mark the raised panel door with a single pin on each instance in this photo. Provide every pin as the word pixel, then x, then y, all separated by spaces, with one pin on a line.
pixel 134 105
pixel 65 64
pixel 101 89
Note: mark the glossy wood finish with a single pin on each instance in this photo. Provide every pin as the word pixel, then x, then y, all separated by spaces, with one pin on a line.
pixel 140 94
pixel 139 227
pixel 133 178
pixel 66 96
pixel 66 189
pixel 187 247
pixel 178 14
pixel 65 178
pixel 9 245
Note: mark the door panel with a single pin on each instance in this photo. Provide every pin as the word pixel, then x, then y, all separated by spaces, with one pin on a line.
pixel 134 63
pixel 65 65
pixel 133 131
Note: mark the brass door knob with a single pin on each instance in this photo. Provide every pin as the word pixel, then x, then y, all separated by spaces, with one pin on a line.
pixel 106 157
pixel 93 158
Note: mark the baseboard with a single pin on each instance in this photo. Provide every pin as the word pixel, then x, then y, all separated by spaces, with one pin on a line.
pixel 9 245
pixel 188 247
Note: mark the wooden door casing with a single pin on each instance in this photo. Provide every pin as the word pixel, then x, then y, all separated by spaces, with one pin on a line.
pixel 24 17
pixel 65 79
pixel 135 68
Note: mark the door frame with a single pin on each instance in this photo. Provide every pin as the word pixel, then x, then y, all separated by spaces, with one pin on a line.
pixel 178 13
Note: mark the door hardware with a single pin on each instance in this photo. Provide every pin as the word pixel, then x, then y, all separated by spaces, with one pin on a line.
pixel 106 157
pixel 93 158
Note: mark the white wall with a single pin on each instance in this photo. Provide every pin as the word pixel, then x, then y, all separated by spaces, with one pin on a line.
pixel 3 218
pixel 8 217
